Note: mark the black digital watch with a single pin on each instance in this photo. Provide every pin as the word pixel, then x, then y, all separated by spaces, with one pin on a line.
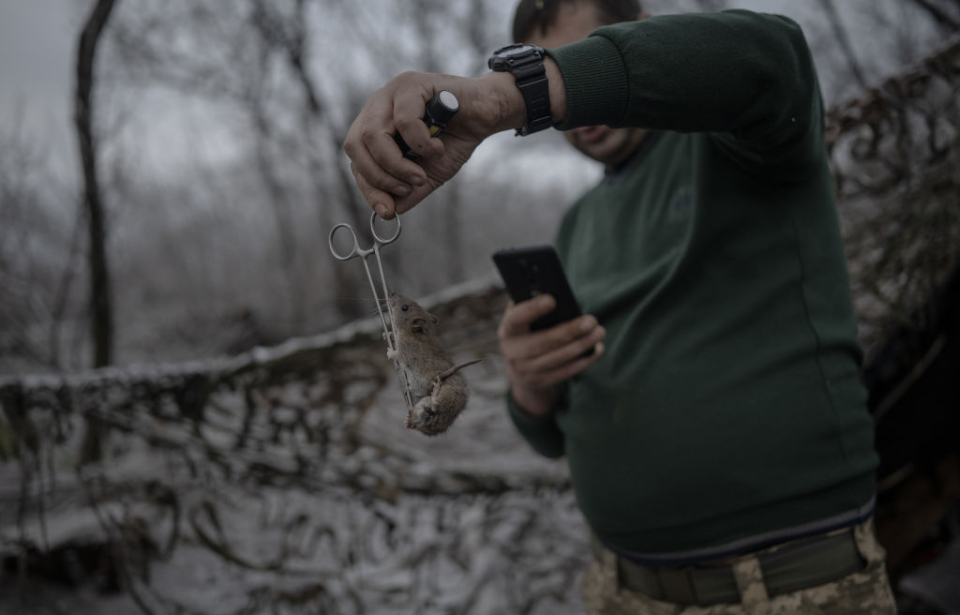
pixel 526 64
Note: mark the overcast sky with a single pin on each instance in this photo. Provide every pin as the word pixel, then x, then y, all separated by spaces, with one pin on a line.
pixel 36 45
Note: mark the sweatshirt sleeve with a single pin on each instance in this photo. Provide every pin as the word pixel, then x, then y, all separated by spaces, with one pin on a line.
pixel 541 432
pixel 745 77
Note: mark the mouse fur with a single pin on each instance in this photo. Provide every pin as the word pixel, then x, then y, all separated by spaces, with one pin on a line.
pixel 439 393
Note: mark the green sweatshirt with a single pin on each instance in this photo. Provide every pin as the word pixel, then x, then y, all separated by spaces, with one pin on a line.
pixel 727 406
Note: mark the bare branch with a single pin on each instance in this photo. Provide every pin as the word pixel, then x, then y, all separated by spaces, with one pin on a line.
pixel 940 16
pixel 844 39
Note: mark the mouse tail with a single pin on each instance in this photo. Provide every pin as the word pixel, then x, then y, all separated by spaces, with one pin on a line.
pixel 453 370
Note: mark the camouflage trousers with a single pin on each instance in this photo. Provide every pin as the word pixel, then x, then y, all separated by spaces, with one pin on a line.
pixel 864 592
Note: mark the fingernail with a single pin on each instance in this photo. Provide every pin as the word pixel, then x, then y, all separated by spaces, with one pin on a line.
pixel 587 323
pixel 382 210
pixel 546 301
pixel 402 190
pixel 415 180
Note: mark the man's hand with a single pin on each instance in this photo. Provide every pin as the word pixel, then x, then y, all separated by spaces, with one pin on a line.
pixel 391 183
pixel 537 361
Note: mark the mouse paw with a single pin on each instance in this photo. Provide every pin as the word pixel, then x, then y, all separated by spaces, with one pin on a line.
pixel 435 391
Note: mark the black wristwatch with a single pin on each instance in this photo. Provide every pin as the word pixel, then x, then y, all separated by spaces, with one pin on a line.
pixel 526 64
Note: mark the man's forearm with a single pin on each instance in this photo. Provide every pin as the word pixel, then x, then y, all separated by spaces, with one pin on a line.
pixel 731 72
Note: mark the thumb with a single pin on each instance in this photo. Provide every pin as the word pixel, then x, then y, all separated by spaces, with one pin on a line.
pixel 517 319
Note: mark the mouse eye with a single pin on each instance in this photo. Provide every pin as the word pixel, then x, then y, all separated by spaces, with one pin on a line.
pixel 404 307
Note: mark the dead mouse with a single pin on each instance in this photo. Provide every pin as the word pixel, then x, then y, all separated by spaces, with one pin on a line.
pixel 439 392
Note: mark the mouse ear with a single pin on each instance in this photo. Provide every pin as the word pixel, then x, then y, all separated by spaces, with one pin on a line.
pixel 416 325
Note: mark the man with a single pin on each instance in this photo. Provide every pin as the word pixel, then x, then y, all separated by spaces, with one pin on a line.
pixel 718 440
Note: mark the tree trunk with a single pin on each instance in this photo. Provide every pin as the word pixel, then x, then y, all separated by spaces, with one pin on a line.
pixel 101 312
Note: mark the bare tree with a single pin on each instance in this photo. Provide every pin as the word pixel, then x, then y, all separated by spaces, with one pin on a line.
pixel 38 252
pixel 290 35
pixel 843 37
pixel 101 312
pixel 21 217
pixel 945 13
pixel 64 288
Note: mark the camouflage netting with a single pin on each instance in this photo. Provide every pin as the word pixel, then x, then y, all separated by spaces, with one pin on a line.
pixel 896 157
pixel 283 481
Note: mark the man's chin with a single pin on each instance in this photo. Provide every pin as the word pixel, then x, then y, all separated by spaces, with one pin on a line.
pixel 593 135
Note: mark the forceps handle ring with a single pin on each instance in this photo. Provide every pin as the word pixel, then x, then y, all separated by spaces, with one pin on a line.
pixel 356 250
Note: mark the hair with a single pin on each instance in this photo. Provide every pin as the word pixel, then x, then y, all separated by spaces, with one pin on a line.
pixel 533 15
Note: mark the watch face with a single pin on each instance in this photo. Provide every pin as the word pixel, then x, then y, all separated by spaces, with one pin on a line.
pixel 515 50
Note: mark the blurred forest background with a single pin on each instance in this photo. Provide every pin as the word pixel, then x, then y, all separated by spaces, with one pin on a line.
pixel 196 224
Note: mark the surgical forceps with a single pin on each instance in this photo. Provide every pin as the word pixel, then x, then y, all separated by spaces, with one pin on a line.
pixel 363 254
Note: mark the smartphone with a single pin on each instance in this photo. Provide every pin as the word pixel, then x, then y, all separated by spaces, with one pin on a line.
pixel 535 270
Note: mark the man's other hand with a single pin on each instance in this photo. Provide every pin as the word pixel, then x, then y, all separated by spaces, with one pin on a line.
pixel 539 360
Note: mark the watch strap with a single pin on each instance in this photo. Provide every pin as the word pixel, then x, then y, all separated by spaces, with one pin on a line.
pixel 531 78
pixel 535 89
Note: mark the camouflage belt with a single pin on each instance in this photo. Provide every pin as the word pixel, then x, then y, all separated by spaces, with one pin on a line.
pixel 791 567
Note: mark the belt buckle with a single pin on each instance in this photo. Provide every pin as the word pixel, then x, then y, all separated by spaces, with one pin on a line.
pixel 676 584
